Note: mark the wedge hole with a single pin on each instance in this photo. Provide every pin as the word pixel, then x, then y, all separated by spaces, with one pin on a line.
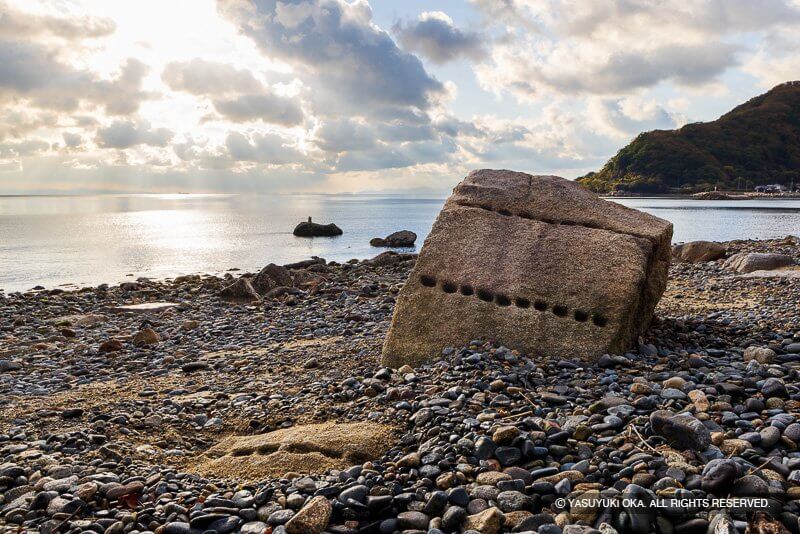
pixel 540 305
pixel 504 212
pixel 485 295
pixel 599 320
pixel 560 310
pixel 581 316
pixel 522 303
pixel 449 287
pixel 467 290
pixel 502 300
pixel 427 281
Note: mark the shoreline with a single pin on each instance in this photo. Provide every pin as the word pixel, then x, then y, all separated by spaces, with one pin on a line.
pixel 106 411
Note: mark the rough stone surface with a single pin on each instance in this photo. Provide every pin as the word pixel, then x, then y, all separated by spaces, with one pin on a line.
pixel 535 262
pixel 240 291
pixel 312 229
pixel 272 276
pixel 743 263
pixel 312 518
pixel 762 355
pixel 698 251
pixel 403 238
pixel 299 449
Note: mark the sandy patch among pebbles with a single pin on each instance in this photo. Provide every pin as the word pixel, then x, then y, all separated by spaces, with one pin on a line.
pixel 300 449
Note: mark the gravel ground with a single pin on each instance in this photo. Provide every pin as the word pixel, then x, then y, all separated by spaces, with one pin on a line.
pixel 106 414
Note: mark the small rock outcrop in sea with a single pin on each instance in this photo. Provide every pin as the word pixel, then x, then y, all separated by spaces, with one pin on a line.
pixel 536 262
pixel 312 229
pixel 403 238
pixel 698 251
pixel 714 195
pixel 757 261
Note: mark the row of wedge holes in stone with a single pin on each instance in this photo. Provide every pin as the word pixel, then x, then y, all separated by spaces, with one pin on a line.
pixel 503 300
pixel 508 213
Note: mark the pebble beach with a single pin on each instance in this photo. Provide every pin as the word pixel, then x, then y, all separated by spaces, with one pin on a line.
pixel 118 405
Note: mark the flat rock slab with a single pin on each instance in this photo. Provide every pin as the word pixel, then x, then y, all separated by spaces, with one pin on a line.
pixel 144 307
pixel 535 262
pixel 300 449
pixel 788 272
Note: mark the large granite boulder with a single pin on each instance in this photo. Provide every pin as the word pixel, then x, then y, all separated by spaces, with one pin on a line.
pixel 535 262
pixel 748 262
pixel 698 251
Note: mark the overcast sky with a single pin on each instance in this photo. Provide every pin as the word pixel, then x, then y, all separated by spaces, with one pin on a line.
pixel 336 95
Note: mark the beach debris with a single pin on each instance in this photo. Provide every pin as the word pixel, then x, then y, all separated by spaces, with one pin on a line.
pixel 698 251
pixel 403 238
pixel 536 262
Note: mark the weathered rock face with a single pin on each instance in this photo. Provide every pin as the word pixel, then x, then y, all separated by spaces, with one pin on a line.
pixel 270 277
pixel 299 449
pixel 536 262
pixel 240 291
pixel 698 251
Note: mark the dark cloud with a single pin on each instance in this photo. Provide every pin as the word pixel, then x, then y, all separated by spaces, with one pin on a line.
pixel 436 37
pixel 350 63
pixel 125 134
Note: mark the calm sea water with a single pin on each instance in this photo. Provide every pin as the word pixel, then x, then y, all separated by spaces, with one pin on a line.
pixel 53 241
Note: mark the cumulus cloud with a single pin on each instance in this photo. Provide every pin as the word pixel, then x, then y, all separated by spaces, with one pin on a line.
pixel 125 134
pixel 339 51
pixel 268 148
pixel 201 77
pixel 17 24
pixel 34 72
pixel 617 47
pixel 627 117
pixel 72 140
pixel 266 106
pixel 434 36
pixel 235 93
